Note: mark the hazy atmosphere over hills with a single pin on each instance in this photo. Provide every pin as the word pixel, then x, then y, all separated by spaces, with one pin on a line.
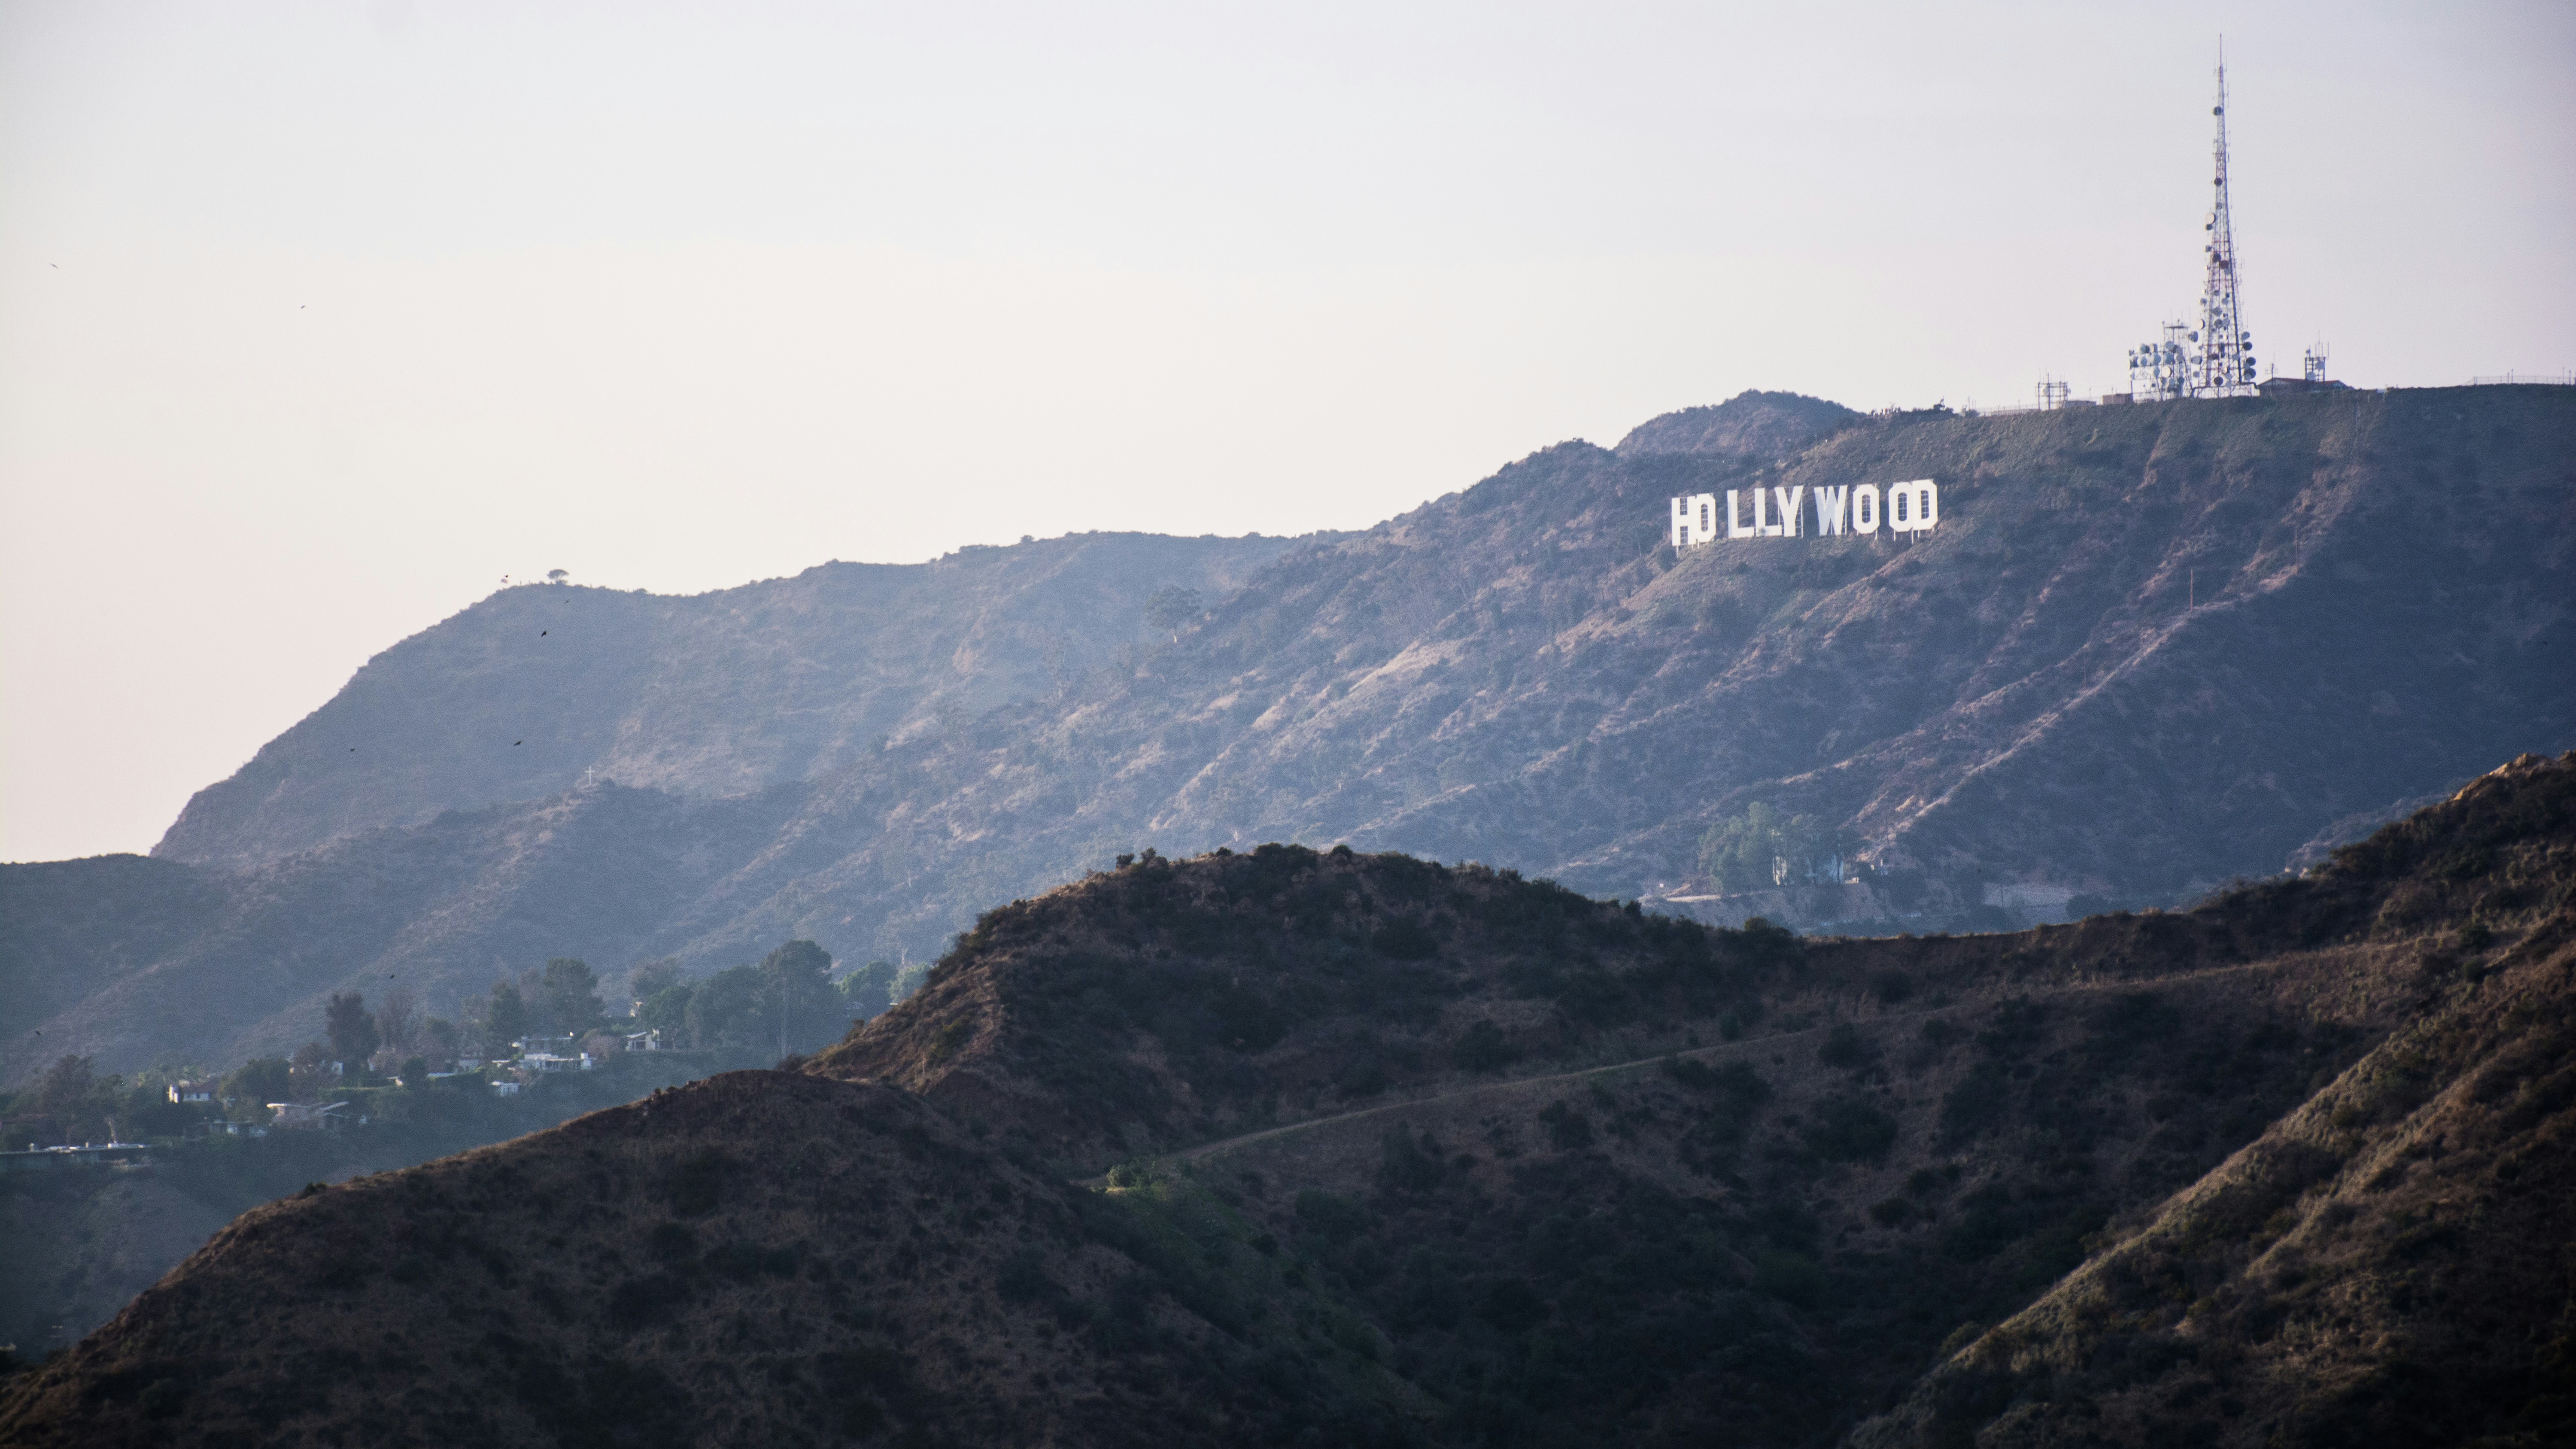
pixel 1338 727
pixel 2148 649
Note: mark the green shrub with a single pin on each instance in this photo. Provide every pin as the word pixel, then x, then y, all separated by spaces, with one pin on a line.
pixel 1483 1048
pixel 1512 1305
pixel 1567 1129
pixel 697 1184
pixel 1405 939
pixel 1330 1216
pixel 1845 1048
pixel 1789 1277
pixel 1849 1129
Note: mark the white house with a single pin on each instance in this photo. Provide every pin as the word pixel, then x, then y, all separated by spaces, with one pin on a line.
pixel 192 1091
pixel 310 1116
pixel 549 1062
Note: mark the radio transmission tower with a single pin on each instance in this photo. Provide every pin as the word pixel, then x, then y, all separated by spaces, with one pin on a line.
pixel 2222 365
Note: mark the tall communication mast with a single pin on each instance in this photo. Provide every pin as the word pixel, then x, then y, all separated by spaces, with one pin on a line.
pixel 2222 365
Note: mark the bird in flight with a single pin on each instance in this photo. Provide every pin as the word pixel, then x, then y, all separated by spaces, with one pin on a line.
pixel 514 744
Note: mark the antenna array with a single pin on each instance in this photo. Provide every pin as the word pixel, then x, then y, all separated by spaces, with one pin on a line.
pixel 2224 364
pixel 2216 358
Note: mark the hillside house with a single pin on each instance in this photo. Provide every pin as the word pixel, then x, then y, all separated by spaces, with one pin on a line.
pixel 644 1041
pixel 37 1159
pixel 187 1092
pixel 550 1062
pixel 310 1116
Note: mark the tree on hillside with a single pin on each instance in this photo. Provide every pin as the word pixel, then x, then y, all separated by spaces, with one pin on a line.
pixel 908 979
pixel 667 1011
pixel 310 1073
pixel 398 1023
pixel 1762 847
pixel 442 1038
pixel 260 1081
pixel 351 1029
pixel 797 1000
pixel 568 995
pixel 653 978
pixel 725 1009
pixel 72 1094
pixel 64 1084
pixel 506 1019
pixel 1172 606
pixel 869 990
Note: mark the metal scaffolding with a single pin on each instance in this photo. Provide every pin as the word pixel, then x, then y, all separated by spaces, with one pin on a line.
pixel 2223 363
pixel 2216 358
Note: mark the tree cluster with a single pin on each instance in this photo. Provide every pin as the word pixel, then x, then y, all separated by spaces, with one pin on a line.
pixel 1761 848
pixel 787 1001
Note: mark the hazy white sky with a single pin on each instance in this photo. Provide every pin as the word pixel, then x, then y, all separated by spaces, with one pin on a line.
pixel 316 320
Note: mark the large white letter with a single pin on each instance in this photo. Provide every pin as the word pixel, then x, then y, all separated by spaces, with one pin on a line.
pixel 1703 518
pixel 1864 506
pixel 1734 528
pixel 1681 523
pixel 1927 504
pixel 1788 498
pixel 1830 503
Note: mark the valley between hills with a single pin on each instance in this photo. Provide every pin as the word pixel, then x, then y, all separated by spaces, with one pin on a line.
pixel 1288 1146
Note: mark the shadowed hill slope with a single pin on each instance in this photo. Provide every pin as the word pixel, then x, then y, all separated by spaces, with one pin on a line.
pixel 1685 1185
pixel 2147 650
pixel 2390 1264
pixel 755 1259
pixel 1172 1002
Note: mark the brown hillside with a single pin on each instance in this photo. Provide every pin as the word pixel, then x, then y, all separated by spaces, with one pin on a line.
pixel 1172 1002
pixel 761 1258
pixel 2395 1262
pixel 2148 649
pixel 1413 1154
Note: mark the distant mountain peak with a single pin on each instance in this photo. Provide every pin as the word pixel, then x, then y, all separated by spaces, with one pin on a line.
pixel 1752 423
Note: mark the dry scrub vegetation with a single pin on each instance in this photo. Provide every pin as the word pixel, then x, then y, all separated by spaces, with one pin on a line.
pixel 1287 1147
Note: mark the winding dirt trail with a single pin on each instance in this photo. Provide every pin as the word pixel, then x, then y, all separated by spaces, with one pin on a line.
pixel 1720 1051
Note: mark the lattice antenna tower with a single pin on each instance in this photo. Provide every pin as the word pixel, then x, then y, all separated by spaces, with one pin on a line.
pixel 2222 365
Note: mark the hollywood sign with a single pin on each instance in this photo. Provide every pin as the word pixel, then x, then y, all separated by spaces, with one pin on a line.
pixel 1905 508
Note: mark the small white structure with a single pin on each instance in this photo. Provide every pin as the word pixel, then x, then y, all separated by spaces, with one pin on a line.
pixel 2037 900
pixel 549 1062
pixel 644 1041
pixel 505 1088
pixel 309 1116
pixel 192 1092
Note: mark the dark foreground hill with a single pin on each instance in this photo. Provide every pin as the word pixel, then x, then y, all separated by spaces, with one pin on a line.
pixel 2148 649
pixel 1399 1153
